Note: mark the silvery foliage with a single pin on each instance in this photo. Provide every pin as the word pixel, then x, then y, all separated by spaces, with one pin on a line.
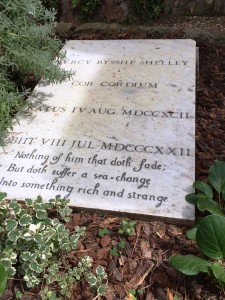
pixel 35 242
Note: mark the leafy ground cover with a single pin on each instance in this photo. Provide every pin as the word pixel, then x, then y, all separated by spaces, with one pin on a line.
pixel 138 265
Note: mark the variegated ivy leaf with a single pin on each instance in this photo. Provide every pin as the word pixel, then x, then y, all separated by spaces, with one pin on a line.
pixel 80 230
pixel 86 261
pixel 29 202
pixel 25 220
pixel 23 212
pixel 2 196
pixel 65 247
pixel 41 214
pixel 54 222
pixel 73 245
pixel 42 225
pixel 34 266
pixel 74 238
pixel 102 289
pixel 15 206
pixel 31 281
pixel 13 257
pixel 39 199
pixel 92 280
pixel 10 224
pixel 13 235
pixel 6 262
pixel 11 271
pixel 43 249
pixel 39 238
pixel 100 271
pixel 61 228
pixel 74 273
pixel 37 206
pixel 63 285
pixel 51 233
pixel 33 256
pixel 25 255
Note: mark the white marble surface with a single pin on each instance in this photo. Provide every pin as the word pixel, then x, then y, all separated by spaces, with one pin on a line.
pixel 119 136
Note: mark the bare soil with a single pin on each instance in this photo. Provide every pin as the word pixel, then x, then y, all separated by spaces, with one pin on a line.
pixel 189 22
pixel 143 264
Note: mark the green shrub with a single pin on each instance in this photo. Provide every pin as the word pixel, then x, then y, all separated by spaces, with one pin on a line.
pixel 208 231
pixel 87 8
pixel 147 9
pixel 33 244
pixel 27 47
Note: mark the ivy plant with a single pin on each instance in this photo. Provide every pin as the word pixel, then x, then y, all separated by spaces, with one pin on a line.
pixel 209 230
pixel 32 242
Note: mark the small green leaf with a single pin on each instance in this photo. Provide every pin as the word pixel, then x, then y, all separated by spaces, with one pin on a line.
pixel 103 231
pixel 114 251
pixel 2 196
pixel 217 176
pixel 121 231
pixel 19 295
pixel 25 255
pixel 31 281
pixel 34 266
pixel 204 188
pixel 218 271
pixel 130 231
pixel 10 224
pixel 15 206
pixel 25 220
pixel 41 214
pixel 39 200
pixel 100 271
pixel 74 238
pixel 52 296
pixel 8 267
pixel 191 233
pixel 101 289
pixel 3 279
pixel 176 297
pixel 13 235
pixel 33 255
pixel 39 238
pixel 189 264
pixel 210 236
pixel 122 244
pixel 29 202
pixel 92 280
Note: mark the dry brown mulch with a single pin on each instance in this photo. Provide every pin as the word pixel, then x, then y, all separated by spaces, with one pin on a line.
pixel 143 264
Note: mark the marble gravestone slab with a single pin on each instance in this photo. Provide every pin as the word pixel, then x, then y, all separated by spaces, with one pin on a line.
pixel 119 136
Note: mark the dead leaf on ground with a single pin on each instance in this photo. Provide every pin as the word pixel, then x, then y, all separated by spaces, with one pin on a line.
pixel 169 294
pixel 139 278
